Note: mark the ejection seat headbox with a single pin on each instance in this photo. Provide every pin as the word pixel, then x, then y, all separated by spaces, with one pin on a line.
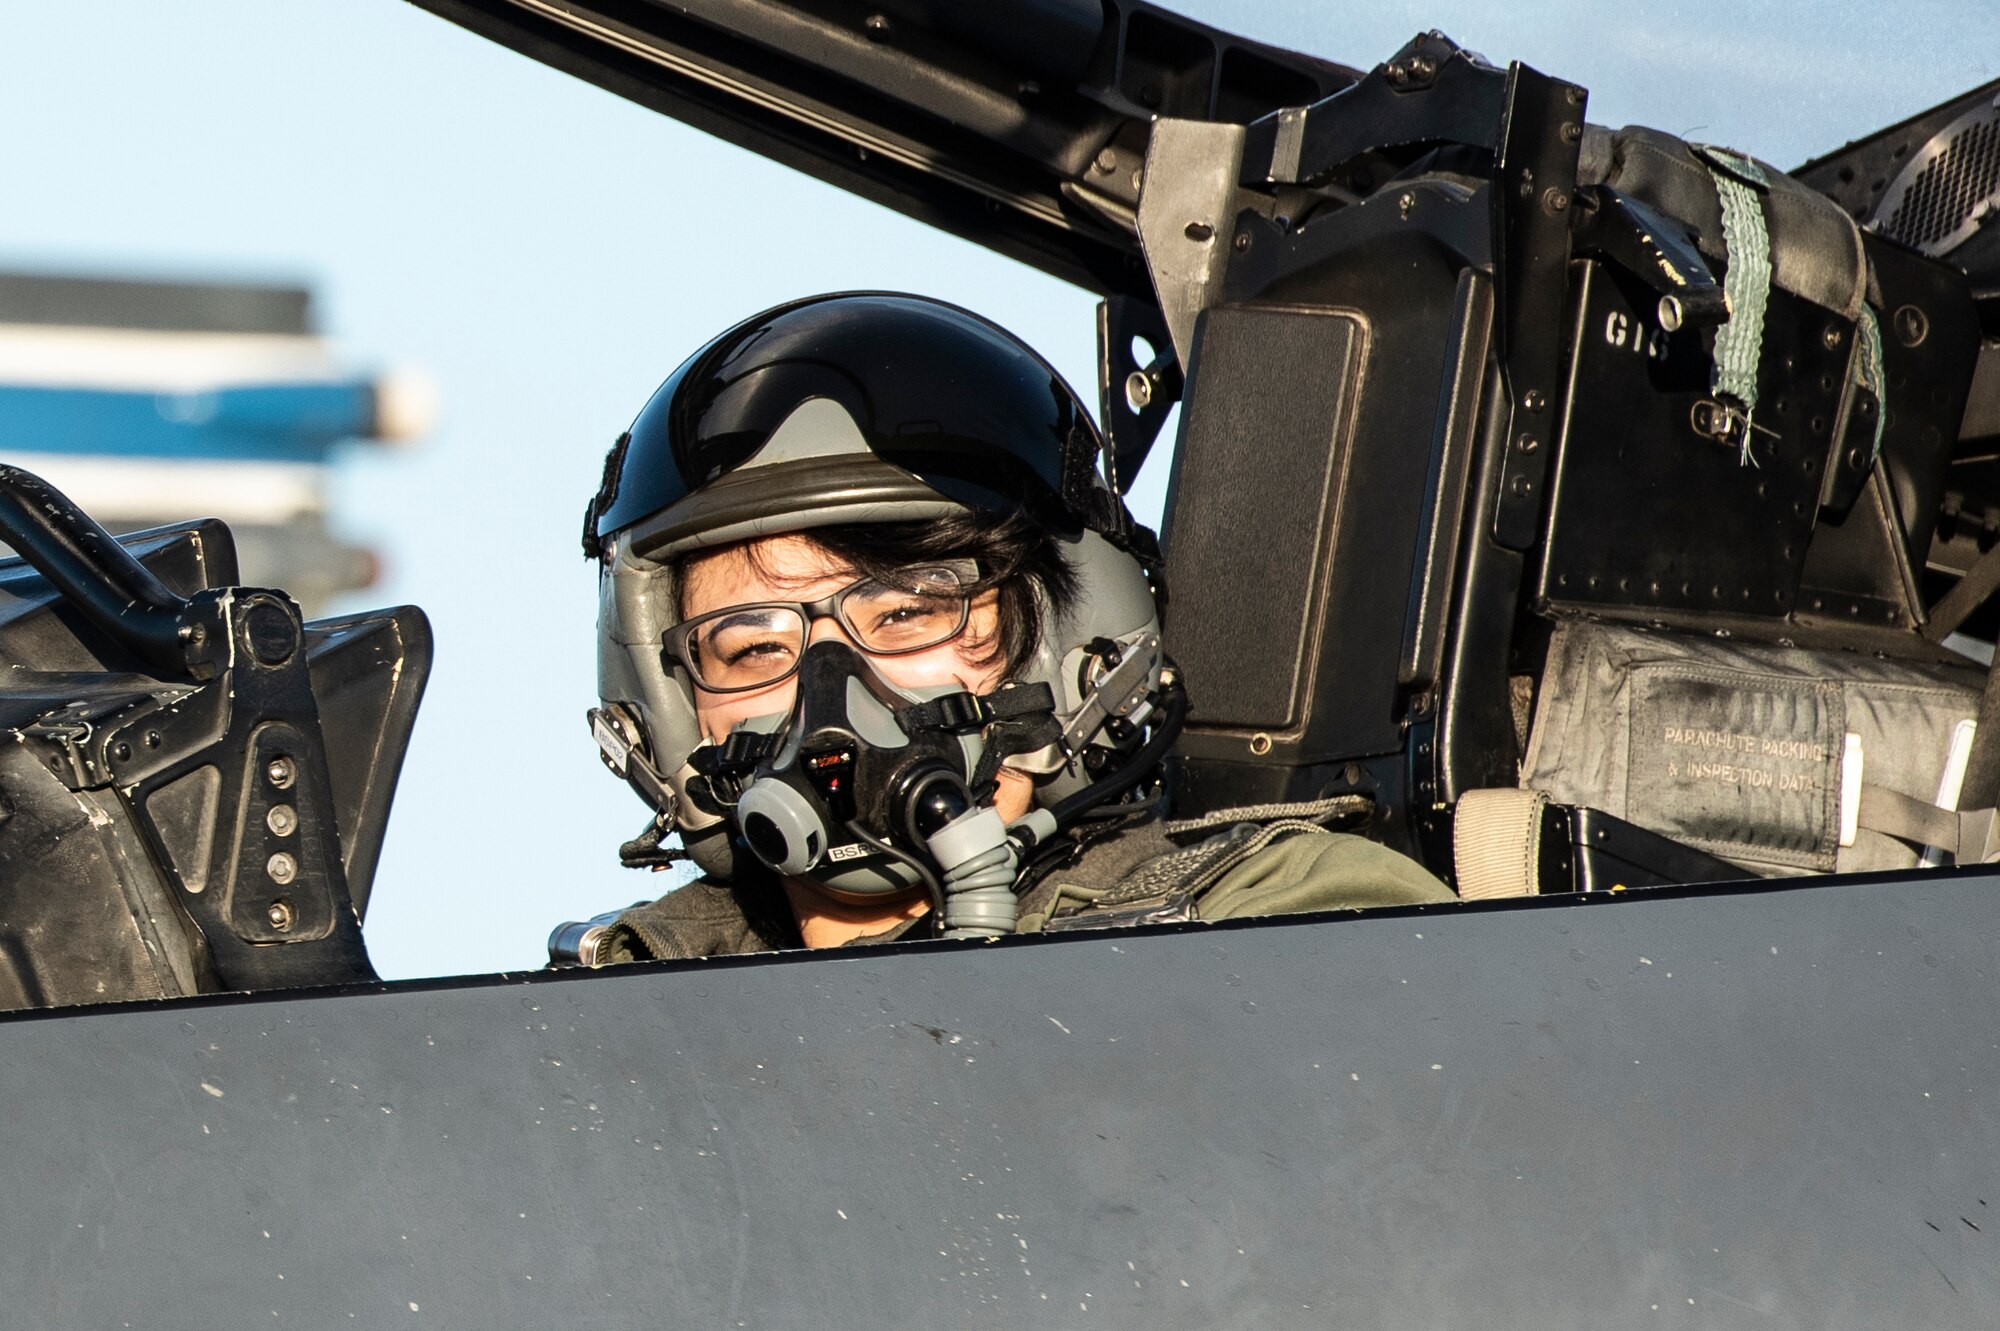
pixel 858 408
pixel 1749 312
pixel 1790 479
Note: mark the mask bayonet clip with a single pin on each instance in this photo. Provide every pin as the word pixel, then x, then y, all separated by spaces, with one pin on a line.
pixel 623 756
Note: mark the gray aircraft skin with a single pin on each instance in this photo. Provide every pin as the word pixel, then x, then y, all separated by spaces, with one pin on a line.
pixel 1465 363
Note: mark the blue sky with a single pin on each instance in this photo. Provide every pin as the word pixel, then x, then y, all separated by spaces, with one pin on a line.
pixel 547 253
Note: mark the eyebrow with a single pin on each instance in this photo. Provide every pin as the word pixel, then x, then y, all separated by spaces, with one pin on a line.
pixel 740 617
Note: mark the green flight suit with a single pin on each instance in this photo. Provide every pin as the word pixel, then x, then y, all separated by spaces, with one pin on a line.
pixel 1136 874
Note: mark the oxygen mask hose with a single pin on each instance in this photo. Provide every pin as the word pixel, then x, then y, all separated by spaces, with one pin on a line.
pixel 979 861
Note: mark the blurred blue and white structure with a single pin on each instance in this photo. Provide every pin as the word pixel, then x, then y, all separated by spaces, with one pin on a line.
pixel 151 402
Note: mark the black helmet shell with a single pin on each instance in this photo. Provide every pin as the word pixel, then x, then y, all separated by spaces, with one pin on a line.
pixel 939 392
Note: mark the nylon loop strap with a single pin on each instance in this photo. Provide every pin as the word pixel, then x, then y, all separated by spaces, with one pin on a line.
pixel 1739 343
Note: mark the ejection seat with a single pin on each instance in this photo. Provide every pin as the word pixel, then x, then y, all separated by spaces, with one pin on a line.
pixel 1661 436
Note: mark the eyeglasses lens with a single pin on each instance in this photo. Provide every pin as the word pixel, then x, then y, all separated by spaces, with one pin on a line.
pixel 742 649
pixel 751 646
pixel 905 619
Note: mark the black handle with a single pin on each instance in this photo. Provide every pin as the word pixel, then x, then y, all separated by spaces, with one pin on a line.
pixel 95 573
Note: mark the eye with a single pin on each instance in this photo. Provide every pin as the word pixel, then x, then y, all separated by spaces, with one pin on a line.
pixel 898 621
pixel 914 610
pixel 747 646
pixel 733 651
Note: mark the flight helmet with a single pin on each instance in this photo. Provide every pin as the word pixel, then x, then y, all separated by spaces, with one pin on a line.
pixel 849 409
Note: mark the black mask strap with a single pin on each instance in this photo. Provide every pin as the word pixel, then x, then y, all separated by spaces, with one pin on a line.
pixel 737 756
pixel 1020 719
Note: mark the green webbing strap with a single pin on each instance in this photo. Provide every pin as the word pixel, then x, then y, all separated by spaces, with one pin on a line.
pixel 1868 371
pixel 1739 343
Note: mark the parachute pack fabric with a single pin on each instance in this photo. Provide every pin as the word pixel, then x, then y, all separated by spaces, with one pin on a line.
pixel 1739 749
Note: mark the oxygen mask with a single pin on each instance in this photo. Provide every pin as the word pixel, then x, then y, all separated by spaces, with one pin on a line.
pixel 866 789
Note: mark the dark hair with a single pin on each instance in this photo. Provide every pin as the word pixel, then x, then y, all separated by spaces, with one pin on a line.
pixel 1015 556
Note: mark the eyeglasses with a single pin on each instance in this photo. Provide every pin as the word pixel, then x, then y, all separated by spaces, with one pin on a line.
pixel 743 647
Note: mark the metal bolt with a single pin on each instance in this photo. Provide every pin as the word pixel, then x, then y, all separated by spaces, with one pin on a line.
pixel 1523 487
pixel 283 819
pixel 269 632
pixel 280 772
pixel 1405 203
pixel 1353 774
pixel 279 913
pixel 1830 339
pixel 1555 200
pixel 1106 163
pixel 1571 133
pixel 1527 443
pixel 1242 242
pixel 121 751
pixel 1138 390
pixel 1533 401
pixel 152 739
pixel 1399 77
pixel 1573 95
pixel 282 868
pixel 1260 744
pixel 1911 326
pixel 877 27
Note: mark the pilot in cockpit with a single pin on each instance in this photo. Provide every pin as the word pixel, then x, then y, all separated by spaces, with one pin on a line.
pixel 878 643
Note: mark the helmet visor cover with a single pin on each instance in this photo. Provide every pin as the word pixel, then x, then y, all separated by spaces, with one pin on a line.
pixel 934 389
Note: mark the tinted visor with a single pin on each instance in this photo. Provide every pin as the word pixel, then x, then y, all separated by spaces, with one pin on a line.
pixel 934 389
